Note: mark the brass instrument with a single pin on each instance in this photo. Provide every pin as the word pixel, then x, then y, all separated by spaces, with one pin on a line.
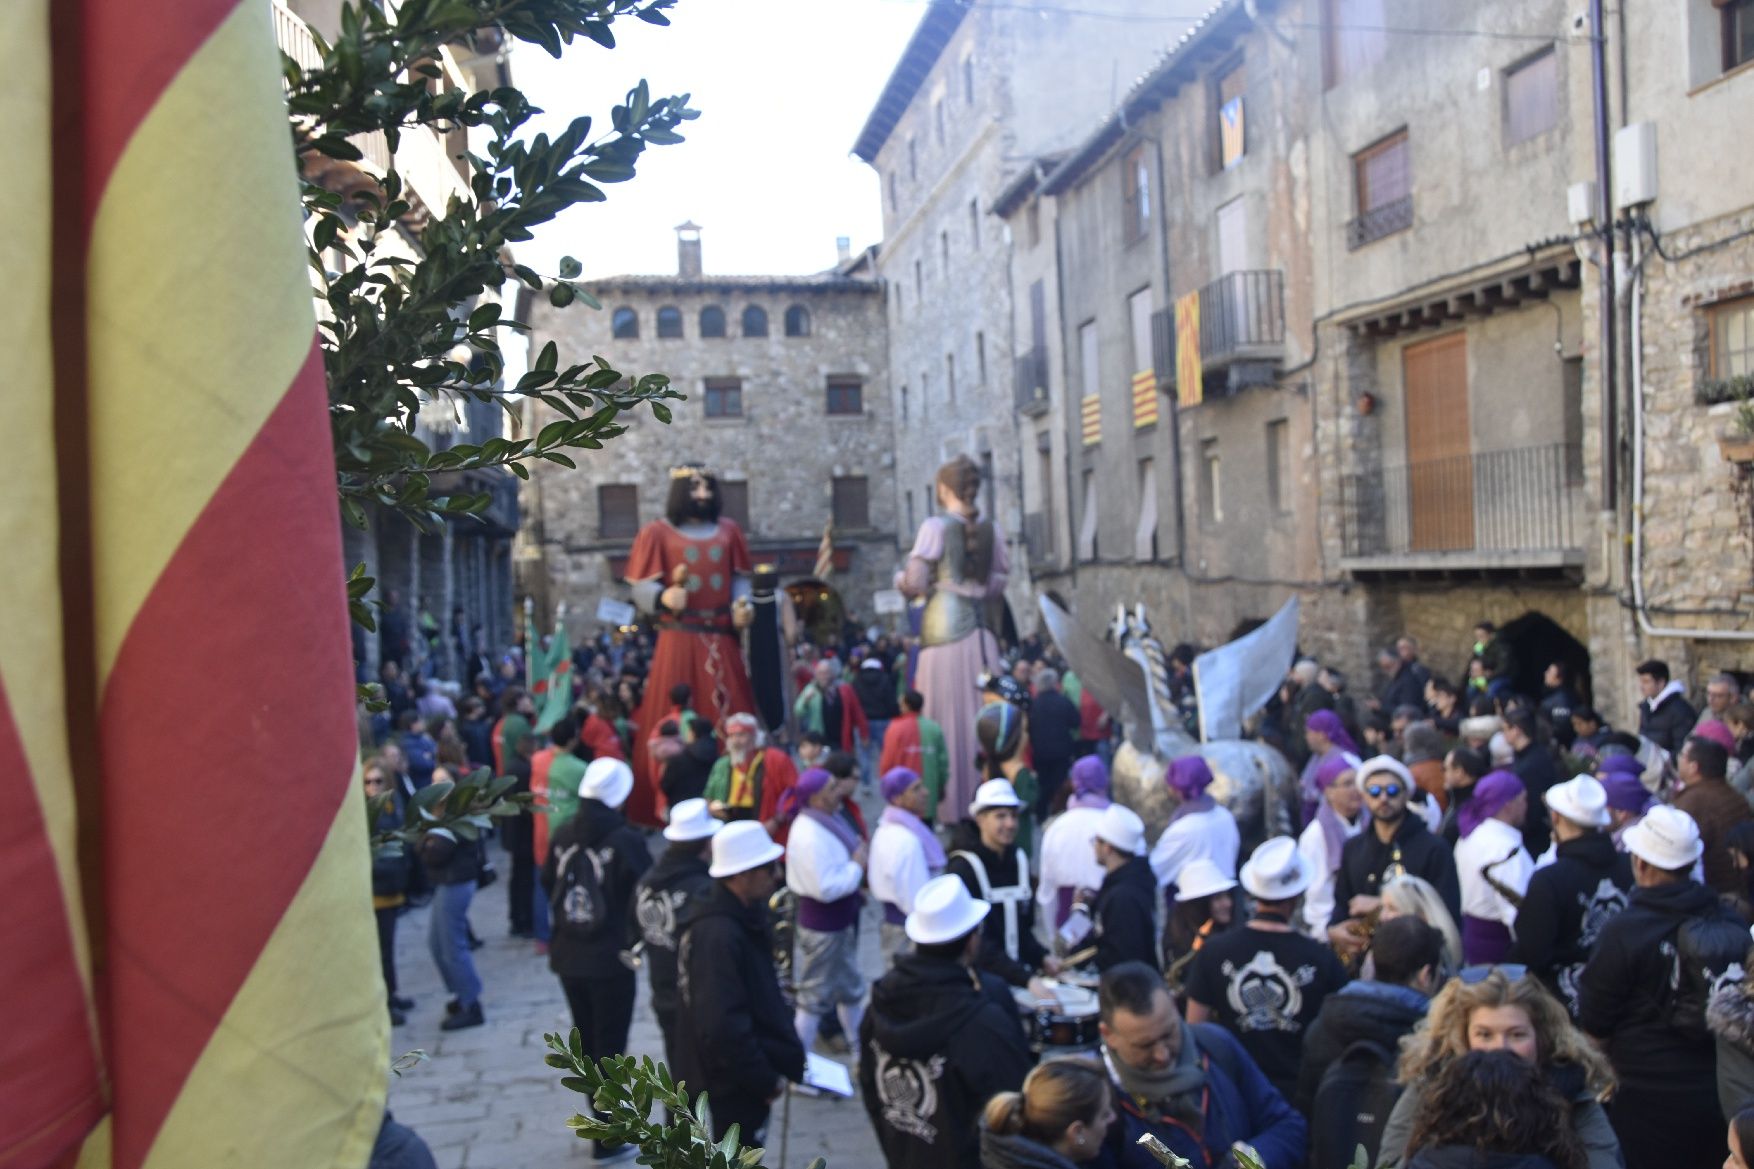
pixel 1499 887
pixel 1365 926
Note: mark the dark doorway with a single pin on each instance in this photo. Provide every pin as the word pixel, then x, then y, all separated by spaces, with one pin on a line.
pixel 1535 641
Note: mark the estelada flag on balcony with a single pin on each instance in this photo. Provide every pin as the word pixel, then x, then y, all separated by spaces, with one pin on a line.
pixel 190 972
pixel 1144 399
pixel 1188 385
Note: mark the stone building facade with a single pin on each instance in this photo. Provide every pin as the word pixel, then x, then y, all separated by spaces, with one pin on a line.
pixel 788 401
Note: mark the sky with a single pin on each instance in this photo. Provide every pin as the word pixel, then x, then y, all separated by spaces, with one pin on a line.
pixel 783 88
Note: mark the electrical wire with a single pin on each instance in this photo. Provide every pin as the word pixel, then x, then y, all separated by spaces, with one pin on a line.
pixel 1643 224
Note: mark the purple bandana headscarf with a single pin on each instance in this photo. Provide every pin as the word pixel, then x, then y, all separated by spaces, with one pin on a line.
pixel 1334 829
pixel 1620 779
pixel 1495 790
pixel 896 781
pixel 1089 784
pixel 1328 723
pixel 1189 777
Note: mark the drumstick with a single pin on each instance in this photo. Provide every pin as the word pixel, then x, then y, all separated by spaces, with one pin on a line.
pixel 1078 958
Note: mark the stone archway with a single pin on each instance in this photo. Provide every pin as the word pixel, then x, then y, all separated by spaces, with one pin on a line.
pixel 1535 640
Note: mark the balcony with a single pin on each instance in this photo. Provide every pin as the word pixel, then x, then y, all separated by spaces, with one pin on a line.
pixel 1242 330
pixel 1378 222
pixel 1489 511
pixel 1031 382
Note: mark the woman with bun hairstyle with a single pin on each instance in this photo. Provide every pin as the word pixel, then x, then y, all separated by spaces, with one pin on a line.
pixel 1057 1121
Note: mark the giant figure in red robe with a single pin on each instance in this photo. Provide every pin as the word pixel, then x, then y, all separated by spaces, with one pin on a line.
pixel 690 570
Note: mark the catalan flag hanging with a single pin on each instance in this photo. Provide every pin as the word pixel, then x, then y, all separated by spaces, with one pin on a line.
pixel 1190 389
pixel 190 974
pixel 1144 399
pixel 1090 419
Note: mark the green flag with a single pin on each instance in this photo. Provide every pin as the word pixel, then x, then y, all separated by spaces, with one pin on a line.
pixel 553 690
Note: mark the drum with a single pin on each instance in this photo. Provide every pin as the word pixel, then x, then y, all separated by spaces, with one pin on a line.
pixel 1065 1025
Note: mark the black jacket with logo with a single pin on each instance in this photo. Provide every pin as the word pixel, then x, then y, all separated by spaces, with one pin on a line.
pixel 937 1043
pixel 1125 914
pixel 623 858
pixel 661 901
pixel 1568 903
pixel 1365 857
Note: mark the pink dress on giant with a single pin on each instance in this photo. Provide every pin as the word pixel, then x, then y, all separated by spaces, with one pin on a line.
pixel 960 567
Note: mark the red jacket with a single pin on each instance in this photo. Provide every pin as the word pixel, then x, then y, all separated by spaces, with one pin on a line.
pixel 599 735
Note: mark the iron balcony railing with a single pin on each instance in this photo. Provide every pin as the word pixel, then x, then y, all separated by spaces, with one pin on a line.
pixel 1242 318
pixel 1380 221
pixel 1511 501
pixel 1032 381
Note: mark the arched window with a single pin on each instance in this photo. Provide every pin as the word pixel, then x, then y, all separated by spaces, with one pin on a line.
pixel 797 321
pixel 669 321
pixel 712 321
pixel 626 324
pixel 755 321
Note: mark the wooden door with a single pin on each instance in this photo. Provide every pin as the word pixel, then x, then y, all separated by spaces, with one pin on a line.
pixel 1440 468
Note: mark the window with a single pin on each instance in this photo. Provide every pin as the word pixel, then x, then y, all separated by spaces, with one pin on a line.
pixel 846 395
pixel 1087 362
pixel 624 324
pixel 980 359
pixel 734 501
pixel 1135 195
pixel 938 118
pixel 670 322
pixel 1087 519
pixel 904 419
pixel 1531 98
pixel 968 80
pixel 724 397
pixel 755 321
pixel 1230 131
pixel 1738 18
pixel 1145 531
pixel 974 225
pixel 851 506
pixel 950 377
pixel 908 499
pixel 1353 38
pixel 944 251
pixel 1211 483
pixel 1732 339
pixel 797 321
pixel 913 160
pixel 712 321
pixel 1383 177
pixel 617 511
pixel 1278 465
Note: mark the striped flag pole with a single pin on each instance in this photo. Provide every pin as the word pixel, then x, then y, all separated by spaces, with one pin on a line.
pixel 243 1011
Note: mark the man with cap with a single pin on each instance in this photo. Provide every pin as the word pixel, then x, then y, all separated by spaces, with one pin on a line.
pixel 1068 864
pixel 1199 826
pixel 988 860
pixel 594 862
pixel 1395 843
pixel 1665 1110
pixel 905 854
pixel 676 881
pixel 825 867
pixel 1492 865
pixel 748 780
pixel 940 1039
pixel 1124 915
pixel 1569 901
pixel 737 1039
pixel 1265 983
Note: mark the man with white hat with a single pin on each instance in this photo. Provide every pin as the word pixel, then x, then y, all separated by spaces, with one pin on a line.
pixel 1569 901
pixel 940 1039
pixel 1266 982
pixel 661 900
pixel 988 860
pixel 594 862
pixel 1125 910
pixel 1396 843
pixel 905 854
pixel 736 1040
pixel 1642 997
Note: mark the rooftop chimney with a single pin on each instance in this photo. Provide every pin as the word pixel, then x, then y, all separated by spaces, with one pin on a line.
pixel 688 249
pixel 843 248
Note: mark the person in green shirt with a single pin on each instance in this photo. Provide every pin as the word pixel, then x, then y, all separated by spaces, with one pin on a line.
pixel 916 742
pixel 565 771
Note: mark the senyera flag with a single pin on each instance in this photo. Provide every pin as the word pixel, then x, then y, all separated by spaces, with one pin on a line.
pixel 218 1000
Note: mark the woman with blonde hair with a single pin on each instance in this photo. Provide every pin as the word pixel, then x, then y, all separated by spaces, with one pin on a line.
pixel 1410 896
pixel 1058 1120
pixel 1503 1008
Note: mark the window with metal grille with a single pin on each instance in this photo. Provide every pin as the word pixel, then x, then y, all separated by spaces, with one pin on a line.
pixel 851 504
pixel 617 511
pixel 1382 175
pixel 670 322
pixel 624 324
pixel 1531 97
pixel 712 321
pixel 724 397
pixel 755 321
pixel 846 395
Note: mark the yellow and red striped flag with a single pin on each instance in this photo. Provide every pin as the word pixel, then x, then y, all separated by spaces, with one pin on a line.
pixel 217 837
pixel 825 553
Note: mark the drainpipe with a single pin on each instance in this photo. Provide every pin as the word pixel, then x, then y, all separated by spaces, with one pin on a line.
pixel 1605 213
pixel 1175 414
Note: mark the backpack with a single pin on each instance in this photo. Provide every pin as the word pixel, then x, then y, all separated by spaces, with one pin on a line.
pixel 1709 952
pixel 1352 1105
pixel 577 905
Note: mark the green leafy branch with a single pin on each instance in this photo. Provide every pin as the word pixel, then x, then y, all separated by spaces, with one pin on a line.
pixel 466 807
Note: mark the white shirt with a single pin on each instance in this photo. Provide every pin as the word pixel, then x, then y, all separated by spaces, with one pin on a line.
pixel 818 865
pixel 898 866
pixel 1212 835
pixel 1318 899
pixel 1492 841
pixel 1068 861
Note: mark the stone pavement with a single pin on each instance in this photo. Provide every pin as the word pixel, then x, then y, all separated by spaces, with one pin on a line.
pixel 486 1100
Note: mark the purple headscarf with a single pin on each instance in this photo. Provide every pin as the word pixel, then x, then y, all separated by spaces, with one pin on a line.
pixel 1334 829
pixel 896 781
pixel 1492 794
pixel 1328 723
pixel 1718 733
pixel 1089 784
pixel 1189 777
pixel 794 798
pixel 1620 776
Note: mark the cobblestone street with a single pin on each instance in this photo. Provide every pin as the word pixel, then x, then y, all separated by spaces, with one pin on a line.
pixel 486 1100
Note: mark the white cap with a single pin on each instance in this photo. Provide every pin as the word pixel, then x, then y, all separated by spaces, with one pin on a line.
pixel 1121 827
pixel 690 820
pixel 1201 877
pixel 944 911
pixel 870 664
pixel 1382 763
pixel 995 793
pixel 1480 726
pixel 1582 801
pixel 606 780
pixel 742 846
pixel 1666 837
pixel 1276 871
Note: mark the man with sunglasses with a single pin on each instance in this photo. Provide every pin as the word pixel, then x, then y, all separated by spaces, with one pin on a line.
pixel 1395 844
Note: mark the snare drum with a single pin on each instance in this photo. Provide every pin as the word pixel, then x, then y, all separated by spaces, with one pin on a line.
pixel 1067 1024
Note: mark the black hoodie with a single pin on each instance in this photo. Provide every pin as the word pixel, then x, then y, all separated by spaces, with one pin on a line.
pixel 1001 873
pixel 937 1043
pixel 622 858
pixel 1568 903
pixel 1376 1011
pixel 661 902
pixel 1126 916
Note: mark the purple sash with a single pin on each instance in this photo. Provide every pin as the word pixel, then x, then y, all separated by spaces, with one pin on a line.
pixel 903 818
pixel 831 916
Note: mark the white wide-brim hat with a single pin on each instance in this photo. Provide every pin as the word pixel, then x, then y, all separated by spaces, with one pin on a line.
pixel 994 793
pixel 691 820
pixel 1276 871
pixel 740 847
pixel 1582 801
pixel 608 781
pixel 1667 838
pixel 944 911
pixel 1121 827
pixel 1382 765
pixel 1201 877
